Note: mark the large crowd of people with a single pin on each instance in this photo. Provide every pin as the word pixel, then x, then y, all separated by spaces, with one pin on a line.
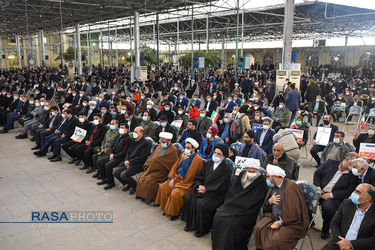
pixel 172 141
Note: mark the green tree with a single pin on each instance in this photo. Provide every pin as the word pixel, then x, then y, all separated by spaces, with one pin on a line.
pixel 69 54
pixel 212 58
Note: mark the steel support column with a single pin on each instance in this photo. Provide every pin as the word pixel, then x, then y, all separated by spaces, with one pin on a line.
pixel 178 36
pixel 61 49
pixel 18 50
pixel 238 20
pixel 192 42
pixel 137 49
pixel 101 48
pixel 222 52
pixel 207 32
pixel 90 48
pixel 110 48
pixel 79 52
pixel 346 51
pixel 131 52
pixel 41 49
pixel 116 48
pixel 50 51
pixel 242 30
pixel 288 32
pixel 157 42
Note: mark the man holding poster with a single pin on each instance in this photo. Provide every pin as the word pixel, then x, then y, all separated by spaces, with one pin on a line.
pixel 317 145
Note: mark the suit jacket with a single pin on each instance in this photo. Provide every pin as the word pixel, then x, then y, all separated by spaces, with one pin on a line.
pixel 197 103
pixel 267 142
pixel 342 220
pixel 230 107
pixel 134 123
pixel 98 136
pixel 343 187
pixel 138 152
pixel 255 152
pixel 56 122
pixel 120 146
pixel 193 134
pixel 320 109
pixel 361 138
pixel 333 131
pixel 70 127
pixel 284 116
pixel 369 177
pixel 212 107
pixel 169 128
pixel 293 100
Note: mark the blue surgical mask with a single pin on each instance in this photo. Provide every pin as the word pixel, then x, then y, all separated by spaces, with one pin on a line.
pixel 31 102
pixel 270 184
pixel 354 197
pixel 92 107
pixel 216 159
pixel 166 108
pixel 163 124
pixel 208 99
pixel 195 99
pixel 144 118
pixel 112 127
pixel 226 120
pixel 299 123
pixel 128 119
pixel 164 145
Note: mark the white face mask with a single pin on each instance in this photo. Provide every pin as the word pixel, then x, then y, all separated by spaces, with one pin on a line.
pixel 202 115
pixel 371 132
pixel 355 172
pixel 149 107
pixel 37 104
pixel 187 152
pixel 121 131
pixel 81 120
pixel 336 140
pixel 180 112
pixel 208 135
pixel 123 111
pixel 95 122
pixel 41 103
pixel 256 117
pixel 84 104
pixel 281 106
pixel 251 176
pixel 265 127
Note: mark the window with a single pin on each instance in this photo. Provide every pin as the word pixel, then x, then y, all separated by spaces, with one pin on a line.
pixel 367 60
pixel 312 60
pixel 337 60
pixel 268 60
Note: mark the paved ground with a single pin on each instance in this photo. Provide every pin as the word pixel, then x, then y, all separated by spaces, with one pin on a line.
pixel 28 183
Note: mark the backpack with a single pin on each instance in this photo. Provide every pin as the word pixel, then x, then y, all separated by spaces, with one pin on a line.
pixel 235 130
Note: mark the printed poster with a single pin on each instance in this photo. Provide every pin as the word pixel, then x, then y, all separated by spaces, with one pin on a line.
pixel 79 134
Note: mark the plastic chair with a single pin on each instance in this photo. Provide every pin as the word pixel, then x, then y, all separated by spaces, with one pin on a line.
pixel 311 194
pixel 151 143
pixel 262 171
pixel 179 147
pixel 354 111
pixel 231 164
pixel 350 146
pixel 295 172
pixel 371 115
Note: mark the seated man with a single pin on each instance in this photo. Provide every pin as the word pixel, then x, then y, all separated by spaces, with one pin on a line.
pixel 208 144
pixel 210 187
pixel 307 116
pixel 195 101
pixel 203 123
pixel 37 117
pixel 263 137
pixel 156 168
pixel 285 215
pixel 337 149
pixel 280 159
pixel 257 118
pixel 227 107
pixel 224 130
pixel 250 149
pixel 300 125
pixel 191 132
pixel 84 151
pixel 234 221
pixel 114 157
pixel 183 117
pixel 317 108
pixel 281 116
pixel 353 224
pixel 171 193
pixel 327 122
pixel 164 126
pixel 110 135
pixel 364 137
pixel 166 111
pixel 152 110
pixel 14 114
pixel 138 152
pixel 336 183
pixel 148 126
pixel 363 171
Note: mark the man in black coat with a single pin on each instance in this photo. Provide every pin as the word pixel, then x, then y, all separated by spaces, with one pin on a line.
pixel 210 186
pixel 363 171
pixel 353 225
pixel 139 151
pixel 317 108
pixel 166 111
pixel 327 122
pixel 364 138
pixel 115 156
pixel 71 124
pixel 210 105
pixel 132 120
pixel 191 132
pixel 336 183
pixel 94 139
pixel 164 126
pixel 234 221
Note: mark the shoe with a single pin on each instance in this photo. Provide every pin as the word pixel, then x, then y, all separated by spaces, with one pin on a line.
pixel 198 234
pixel 324 235
pixel 56 159
pixel 102 182
pixel 24 136
pixel 41 154
pixel 173 218
pixel 36 147
pixel 36 152
pixel 33 139
pixel 109 186
pixel 84 167
pixel 3 131
pixel 77 162
pixel 138 198
pixel 126 188
pixel 90 170
pixel 156 205
pixel 53 156
pixel 18 137
pixel 96 175
pixel 72 161
pixel 148 202
pixel 132 190
pixel 186 229
pixel 163 214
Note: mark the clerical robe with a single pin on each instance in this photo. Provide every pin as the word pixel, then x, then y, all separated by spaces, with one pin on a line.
pixel 156 170
pixel 294 215
pixel 183 173
pixel 199 209
pixel 234 221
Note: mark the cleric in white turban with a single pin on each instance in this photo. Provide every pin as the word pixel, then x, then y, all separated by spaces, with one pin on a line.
pixel 274 170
